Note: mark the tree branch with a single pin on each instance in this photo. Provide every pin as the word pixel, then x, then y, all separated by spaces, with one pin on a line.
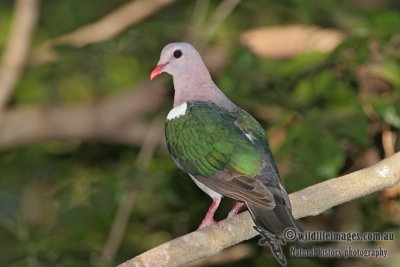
pixel 309 201
pixel 119 118
pixel 15 54
pixel 221 13
pixel 121 220
pixel 119 224
pixel 101 30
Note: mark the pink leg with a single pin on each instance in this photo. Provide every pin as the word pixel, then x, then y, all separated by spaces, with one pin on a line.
pixel 209 218
pixel 235 209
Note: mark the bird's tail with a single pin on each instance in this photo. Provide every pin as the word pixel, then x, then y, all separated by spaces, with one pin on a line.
pixel 271 224
pixel 275 220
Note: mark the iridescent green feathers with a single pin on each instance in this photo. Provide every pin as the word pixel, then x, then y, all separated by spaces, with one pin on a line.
pixel 208 139
pixel 226 151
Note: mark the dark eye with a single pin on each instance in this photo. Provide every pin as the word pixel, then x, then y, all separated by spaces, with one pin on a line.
pixel 177 53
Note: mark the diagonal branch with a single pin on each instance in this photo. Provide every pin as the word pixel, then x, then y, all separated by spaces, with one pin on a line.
pixel 15 54
pixel 220 14
pixel 309 201
pixel 101 30
pixel 125 207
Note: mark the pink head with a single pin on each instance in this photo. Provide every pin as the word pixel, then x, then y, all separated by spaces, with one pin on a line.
pixel 180 60
pixel 192 81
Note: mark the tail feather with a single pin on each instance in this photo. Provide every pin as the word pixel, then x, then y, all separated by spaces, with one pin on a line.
pixel 271 224
pixel 276 220
pixel 273 242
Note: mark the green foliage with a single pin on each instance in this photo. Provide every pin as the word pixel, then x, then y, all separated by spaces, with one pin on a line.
pixel 58 200
pixel 5 23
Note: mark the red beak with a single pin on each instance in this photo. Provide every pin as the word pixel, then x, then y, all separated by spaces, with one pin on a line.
pixel 157 70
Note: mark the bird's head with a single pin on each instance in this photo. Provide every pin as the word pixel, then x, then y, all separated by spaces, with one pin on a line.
pixel 179 59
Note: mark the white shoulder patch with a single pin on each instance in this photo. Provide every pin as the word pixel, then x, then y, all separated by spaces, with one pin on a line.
pixel 177 111
pixel 246 132
pixel 250 137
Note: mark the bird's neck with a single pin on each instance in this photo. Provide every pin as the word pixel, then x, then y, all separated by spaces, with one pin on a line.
pixel 199 90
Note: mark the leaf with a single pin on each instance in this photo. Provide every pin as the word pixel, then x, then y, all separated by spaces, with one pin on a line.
pixel 387 111
pixel 390 71
pixel 291 40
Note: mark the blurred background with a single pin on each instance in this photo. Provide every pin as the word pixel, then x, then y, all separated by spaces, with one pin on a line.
pixel 85 177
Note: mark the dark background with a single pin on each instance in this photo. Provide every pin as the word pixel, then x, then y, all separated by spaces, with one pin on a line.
pixel 82 147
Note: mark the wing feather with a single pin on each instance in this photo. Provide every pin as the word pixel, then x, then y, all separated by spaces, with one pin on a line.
pixel 211 144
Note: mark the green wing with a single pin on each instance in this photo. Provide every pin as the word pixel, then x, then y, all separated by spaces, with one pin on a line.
pixel 226 151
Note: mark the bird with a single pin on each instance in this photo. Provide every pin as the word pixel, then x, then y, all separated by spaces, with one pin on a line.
pixel 222 147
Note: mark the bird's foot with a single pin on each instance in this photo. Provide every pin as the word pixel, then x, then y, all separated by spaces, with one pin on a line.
pixel 235 210
pixel 206 222
pixel 209 218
